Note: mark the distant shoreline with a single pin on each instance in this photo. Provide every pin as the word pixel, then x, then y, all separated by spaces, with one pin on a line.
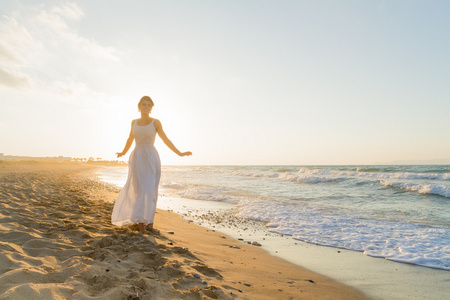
pixel 121 163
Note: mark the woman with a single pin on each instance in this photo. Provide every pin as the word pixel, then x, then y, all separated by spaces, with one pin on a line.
pixel 136 202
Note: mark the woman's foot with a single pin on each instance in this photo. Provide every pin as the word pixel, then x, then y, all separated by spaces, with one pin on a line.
pixel 149 226
pixel 141 227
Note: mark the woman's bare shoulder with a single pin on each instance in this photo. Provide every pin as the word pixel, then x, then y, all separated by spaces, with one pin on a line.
pixel 157 125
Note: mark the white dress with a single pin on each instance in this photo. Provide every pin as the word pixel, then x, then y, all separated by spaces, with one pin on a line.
pixel 136 202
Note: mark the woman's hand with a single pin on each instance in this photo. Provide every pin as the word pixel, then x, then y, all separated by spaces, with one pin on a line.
pixel 119 154
pixel 188 153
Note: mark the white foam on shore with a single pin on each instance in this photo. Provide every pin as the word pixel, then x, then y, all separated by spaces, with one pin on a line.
pixel 379 278
pixel 397 241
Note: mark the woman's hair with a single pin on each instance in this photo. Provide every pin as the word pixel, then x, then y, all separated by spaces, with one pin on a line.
pixel 145 98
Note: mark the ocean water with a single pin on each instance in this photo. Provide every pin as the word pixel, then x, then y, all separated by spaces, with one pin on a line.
pixel 401 213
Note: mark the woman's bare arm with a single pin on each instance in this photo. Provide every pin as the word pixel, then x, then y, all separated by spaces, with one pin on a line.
pixel 166 140
pixel 128 144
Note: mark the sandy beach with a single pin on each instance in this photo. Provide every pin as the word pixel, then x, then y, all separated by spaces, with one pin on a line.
pixel 57 243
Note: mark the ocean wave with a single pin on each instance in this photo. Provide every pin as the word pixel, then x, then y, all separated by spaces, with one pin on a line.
pixel 292 177
pixel 305 179
pixel 286 176
pixel 432 189
pixel 283 170
pixel 327 174
pixel 381 175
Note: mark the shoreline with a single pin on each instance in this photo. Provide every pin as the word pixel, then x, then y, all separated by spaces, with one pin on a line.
pixel 61 244
pixel 377 278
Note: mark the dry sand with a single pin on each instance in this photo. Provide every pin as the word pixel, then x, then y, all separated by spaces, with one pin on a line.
pixel 56 242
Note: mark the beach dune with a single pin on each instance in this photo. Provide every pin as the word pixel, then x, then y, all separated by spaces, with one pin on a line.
pixel 56 242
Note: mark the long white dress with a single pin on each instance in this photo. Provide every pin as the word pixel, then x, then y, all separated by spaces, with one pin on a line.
pixel 136 202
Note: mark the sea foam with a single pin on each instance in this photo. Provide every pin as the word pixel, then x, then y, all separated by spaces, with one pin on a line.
pixel 397 241
pixel 440 190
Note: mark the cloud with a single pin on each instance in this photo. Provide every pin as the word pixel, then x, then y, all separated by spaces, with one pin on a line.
pixel 69 10
pixel 13 80
pixel 16 43
pixel 55 21
pixel 7 56
pixel 41 48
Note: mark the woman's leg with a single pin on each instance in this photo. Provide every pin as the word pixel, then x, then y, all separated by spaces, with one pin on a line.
pixel 141 227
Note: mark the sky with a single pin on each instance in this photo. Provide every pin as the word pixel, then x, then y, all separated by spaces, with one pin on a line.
pixel 235 82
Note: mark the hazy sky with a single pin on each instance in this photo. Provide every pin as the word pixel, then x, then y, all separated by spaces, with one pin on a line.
pixel 235 82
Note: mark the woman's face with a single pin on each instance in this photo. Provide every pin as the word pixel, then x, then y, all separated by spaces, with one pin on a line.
pixel 145 107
